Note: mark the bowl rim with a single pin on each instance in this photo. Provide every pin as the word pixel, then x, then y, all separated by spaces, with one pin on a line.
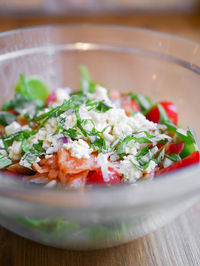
pixel 116 26
pixel 182 177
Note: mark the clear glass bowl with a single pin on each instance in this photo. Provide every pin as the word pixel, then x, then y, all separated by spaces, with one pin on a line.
pixel 129 59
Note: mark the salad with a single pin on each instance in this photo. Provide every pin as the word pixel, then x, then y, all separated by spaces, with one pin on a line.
pixel 90 136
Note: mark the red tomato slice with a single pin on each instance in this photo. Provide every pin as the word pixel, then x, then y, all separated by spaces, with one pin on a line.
pixel 97 177
pixel 193 158
pixel 174 147
pixel 1 130
pixel 130 106
pixel 114 94
pixel 170 109
pixel 51 98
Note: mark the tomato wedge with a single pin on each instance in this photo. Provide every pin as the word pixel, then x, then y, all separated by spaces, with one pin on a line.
pixel 175 147
pixel 170 109
pixel 97 177
pixel 130 106
pixel 189 160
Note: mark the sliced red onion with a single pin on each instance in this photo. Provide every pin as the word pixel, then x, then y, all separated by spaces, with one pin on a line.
pixel 65 140
pixel 51 98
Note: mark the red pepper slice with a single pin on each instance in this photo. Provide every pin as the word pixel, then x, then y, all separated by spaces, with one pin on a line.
pixel 193 158
pixel 170 109
pixel 97 177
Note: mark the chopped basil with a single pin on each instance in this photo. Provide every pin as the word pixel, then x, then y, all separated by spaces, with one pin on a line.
pixel 18 136
pixel 163 115
pixel 20 103
pixel 144 102
pixel 141 140
pixel 71 132
pixel 55 112
pixel 98 106
pixel 173 157
pixel 160 156
pixel 4 162
pixel 30 153
pixel 188 137
pixel 6 118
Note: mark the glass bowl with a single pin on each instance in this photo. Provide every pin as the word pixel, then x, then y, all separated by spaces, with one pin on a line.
pixel 162 66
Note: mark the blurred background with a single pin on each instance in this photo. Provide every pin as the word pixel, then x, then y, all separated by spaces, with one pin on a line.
pixel 181 17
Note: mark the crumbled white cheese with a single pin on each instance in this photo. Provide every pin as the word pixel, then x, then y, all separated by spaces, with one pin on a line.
pixel 1 144
pixel 131 147
pixel 102 93
pixel 12 128
pixel 102 161
pixel 14 151
pixel 182 131
pixel 167 162
pixel 79 149
pixel 126 168
pixel 51 184
pixel 61 95
pixel 151 167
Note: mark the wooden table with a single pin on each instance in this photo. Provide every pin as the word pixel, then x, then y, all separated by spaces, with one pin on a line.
pixel 177 243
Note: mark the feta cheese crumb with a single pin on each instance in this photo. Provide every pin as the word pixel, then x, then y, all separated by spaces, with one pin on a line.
pixel 151 167
pixel 12 128
pixel 14 151
pixel 167 162
pixel 126 168
pixel 79 149
pixel 62 94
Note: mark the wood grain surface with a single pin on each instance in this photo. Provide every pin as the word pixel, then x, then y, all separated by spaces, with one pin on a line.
pixel 177 243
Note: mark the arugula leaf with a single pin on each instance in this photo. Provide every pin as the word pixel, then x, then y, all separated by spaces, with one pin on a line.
pixel 174 157
pixel 7 118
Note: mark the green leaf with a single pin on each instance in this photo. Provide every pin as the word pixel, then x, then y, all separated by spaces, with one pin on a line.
pixel 84 72
pixel 4 162
pixel 6 118
pixel 18 136
pixel 86 84
pixel 32 88
pixel 102 108
pixel 30 153
pixel 163 115
pixel 173 157
pixel 144 102
pixel 160 156
pixel 71 132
